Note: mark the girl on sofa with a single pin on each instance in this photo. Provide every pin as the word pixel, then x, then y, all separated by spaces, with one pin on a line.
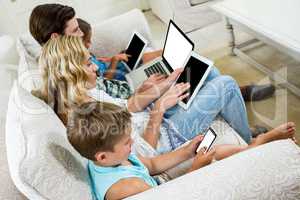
pixel 69 78
pixel 110 67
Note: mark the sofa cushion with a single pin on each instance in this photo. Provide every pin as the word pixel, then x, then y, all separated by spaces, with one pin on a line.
pixel 270 171
pixel 112 36
pixel 196 2
pixel 28 73
pixel 40 156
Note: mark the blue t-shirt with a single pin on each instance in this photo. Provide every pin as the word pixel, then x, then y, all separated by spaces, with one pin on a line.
pixel 103 67
pixel 103 178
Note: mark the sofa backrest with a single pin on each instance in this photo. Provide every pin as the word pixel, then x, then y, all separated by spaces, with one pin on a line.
pixel 112 36
pixel 42 163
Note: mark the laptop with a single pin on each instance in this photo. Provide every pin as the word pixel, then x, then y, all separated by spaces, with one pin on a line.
pixel 135 49
pixel 176 51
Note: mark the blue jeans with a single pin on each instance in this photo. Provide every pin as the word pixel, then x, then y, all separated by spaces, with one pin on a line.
pixel 220 95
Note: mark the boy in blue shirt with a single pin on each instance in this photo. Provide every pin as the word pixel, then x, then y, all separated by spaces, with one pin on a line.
pixel 100 132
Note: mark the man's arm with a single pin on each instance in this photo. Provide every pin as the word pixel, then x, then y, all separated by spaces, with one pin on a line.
pixel 125 188
pixel 151 55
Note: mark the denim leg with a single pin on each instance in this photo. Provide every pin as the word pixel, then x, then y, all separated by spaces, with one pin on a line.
pixel 220 96
pixel 214 72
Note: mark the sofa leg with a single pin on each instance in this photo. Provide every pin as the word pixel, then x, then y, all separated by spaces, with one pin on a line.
pixel 229 27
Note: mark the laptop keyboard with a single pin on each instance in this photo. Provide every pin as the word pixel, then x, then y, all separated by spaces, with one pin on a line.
pixel 157 68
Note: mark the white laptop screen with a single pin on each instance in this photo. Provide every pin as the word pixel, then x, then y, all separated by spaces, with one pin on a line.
pixel 177 47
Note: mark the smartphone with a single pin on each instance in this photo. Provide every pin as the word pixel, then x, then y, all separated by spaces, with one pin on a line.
pixel 209 138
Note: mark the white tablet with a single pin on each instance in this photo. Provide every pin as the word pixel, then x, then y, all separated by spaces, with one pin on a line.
pixel 135 49
pixel 195 72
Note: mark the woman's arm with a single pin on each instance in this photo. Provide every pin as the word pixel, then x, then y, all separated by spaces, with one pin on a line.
pixel 169 99
pixel 151 90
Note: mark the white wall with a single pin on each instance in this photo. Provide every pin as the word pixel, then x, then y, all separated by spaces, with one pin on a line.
pixel 14 14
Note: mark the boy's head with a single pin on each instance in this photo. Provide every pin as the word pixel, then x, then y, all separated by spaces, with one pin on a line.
pixel 50 20
pixel 87 32
pixel 100 132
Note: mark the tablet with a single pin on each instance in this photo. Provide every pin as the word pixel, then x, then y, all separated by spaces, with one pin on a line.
pixel 135 49
pixel 195 72
pixel 209 138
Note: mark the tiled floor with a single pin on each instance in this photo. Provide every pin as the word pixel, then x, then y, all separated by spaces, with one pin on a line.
pixel 212 42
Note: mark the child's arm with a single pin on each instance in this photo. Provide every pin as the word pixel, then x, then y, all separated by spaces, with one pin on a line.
pixel 161 163
pixel 125 188
pixel 110 73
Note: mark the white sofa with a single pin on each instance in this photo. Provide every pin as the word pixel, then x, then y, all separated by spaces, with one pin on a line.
pixel 43 165
pixel 190 15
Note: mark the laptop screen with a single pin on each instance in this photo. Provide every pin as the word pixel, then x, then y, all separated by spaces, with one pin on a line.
pixel 177 47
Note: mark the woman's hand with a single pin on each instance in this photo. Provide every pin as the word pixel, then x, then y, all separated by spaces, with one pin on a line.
pixel 202 159
pixel 151 82
pixel 170 98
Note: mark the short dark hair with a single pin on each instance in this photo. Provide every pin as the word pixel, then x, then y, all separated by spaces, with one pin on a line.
pixel 97 126
pixel 46 19
pixel 85 27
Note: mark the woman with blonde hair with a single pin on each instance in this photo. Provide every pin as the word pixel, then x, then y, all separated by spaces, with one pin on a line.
pixel 69 79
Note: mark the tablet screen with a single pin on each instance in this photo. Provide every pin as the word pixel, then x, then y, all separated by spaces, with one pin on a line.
pixel 134 50
pixel 193 73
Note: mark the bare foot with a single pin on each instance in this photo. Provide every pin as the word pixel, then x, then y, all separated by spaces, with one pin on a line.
pixel 283 131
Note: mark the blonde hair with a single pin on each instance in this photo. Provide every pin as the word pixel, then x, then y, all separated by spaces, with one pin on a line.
pixel 63 74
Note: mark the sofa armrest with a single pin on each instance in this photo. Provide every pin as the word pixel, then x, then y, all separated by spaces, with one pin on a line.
pixel 269 171
pixel 113 35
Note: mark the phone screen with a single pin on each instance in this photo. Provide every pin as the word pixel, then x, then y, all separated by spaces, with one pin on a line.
pixel 208 140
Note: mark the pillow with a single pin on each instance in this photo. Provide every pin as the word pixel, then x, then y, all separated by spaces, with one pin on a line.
pixel 8 52
pixel 109 39
pixel 28 73
pixel 47 164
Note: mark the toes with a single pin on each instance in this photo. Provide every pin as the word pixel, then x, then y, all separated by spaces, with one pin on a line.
pixel 290 124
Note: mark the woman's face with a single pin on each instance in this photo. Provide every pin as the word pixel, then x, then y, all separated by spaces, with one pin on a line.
pixel 91 70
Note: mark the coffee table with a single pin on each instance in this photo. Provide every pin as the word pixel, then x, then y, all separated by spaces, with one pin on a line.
pixel 274 22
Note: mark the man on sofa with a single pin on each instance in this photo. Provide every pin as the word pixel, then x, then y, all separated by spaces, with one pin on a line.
pixel 50 20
